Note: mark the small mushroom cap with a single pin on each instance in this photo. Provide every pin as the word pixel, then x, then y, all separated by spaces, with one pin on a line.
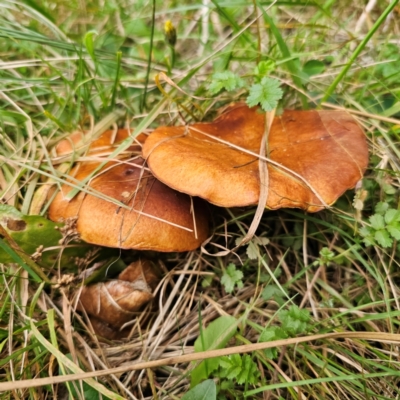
pixel 326 148
pixel 158 217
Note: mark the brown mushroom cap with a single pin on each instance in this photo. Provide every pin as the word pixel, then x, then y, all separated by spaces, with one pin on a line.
pixel 326 148
pixel 158 218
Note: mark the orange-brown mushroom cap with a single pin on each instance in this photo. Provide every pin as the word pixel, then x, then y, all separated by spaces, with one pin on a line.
pixel 326 149
pixel 155 217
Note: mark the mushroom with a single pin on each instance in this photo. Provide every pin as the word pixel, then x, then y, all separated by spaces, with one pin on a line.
pixel 313 157
pixel 148 216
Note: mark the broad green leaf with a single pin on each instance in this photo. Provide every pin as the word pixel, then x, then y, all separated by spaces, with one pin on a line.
pixel 203 391
pixel 215 336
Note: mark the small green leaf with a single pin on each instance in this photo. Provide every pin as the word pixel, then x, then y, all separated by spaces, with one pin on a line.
pixel 382 237
pixel 267 93
pixel 252 251
pixel 270 334
pixel 365 231
pixel 262 241
pixel 264 68
pixel 273 292
pixel 389 189
pixel 203 391
pixel 232 277
pixel 381 207
pixel 225 80
pixel 394 231
pixel 249 372
pixel 313 67
pixel 294 320
pixel 392 215
pixel 377 221
pixel 231 366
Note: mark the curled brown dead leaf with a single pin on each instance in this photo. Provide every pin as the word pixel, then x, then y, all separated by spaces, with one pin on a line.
pixel 112 304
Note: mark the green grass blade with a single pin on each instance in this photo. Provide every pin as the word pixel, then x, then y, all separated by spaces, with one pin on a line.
pixel 358 50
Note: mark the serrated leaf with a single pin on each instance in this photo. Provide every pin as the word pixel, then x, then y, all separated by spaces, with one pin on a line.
pixel 249 372
pixel 252 251
pixel 365 231
pixel 263 241
pixel 295 320
pixel 231 277
pixel 369 241
pixel 392 215
pixel 203 391
pixel 235 366
pixel 238 240
pixel 215 336
pixel 394 231
pixel 225 80
pixel 377 221
pixel 271 291
pixel 383 238
pixel 381 207
pixel 267 93
pixel 264 68
pixel 270 334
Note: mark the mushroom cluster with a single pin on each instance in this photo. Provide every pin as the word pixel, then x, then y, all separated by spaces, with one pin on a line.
pixel 143 200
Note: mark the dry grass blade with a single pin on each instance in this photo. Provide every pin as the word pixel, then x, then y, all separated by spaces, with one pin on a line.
pixel 373 336
pixel 264 181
